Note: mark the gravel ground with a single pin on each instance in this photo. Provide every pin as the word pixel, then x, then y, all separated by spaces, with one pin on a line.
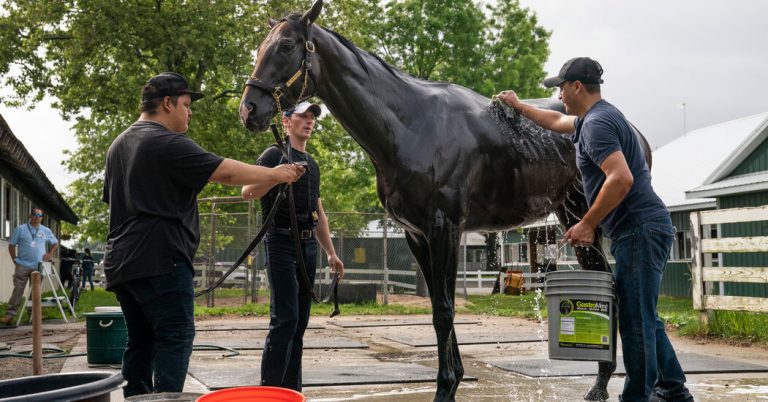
pixel 16 340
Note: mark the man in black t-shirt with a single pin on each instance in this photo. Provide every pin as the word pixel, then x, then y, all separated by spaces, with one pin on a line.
pixel 153 175
pixel 289 305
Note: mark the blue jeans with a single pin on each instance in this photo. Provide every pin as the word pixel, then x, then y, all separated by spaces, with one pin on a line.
pixel 87 276
pixel 159 314
pixel 288 311
pixel 641 252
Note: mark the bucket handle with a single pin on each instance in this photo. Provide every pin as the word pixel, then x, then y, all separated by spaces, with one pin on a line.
pixel 101 323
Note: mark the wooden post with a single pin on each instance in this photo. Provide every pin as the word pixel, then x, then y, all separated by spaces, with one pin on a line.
pixel 37 326
pixel 697 266
pixel 212 257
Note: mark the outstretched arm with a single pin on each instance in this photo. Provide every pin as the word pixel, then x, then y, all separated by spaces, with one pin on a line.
pixel 549 119
pixel 236 173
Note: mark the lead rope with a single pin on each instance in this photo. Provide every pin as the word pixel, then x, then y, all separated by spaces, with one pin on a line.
pixel 302 274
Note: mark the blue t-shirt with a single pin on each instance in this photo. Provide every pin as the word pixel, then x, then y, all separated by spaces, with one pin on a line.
pixel 30 244
pixel 603 131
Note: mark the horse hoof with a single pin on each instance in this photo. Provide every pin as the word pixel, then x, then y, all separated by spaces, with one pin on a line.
pixel 596 393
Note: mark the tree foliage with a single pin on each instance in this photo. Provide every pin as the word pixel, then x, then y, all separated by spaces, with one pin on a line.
pixel 93 57
pixel 457 41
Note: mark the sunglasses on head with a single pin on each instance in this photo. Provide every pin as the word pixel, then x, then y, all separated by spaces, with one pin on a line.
pixel 39 215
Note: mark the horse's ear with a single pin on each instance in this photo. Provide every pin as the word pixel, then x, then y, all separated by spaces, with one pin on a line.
pixel 272 22
pixel 311 15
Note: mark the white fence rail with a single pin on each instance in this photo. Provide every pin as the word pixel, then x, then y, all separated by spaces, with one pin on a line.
pixel 702 274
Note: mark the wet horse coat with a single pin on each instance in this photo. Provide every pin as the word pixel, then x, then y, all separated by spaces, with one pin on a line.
pixel 446 159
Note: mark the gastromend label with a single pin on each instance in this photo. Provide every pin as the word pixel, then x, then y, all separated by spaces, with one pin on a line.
pixel 584 324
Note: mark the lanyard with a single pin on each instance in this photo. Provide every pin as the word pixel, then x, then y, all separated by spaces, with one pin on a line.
pixel 34 235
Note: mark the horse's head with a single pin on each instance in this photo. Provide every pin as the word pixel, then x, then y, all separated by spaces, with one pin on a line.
pixel 283 74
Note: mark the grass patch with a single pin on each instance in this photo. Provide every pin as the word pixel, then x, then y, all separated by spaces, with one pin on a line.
pixel 95 298
pixel 735 326
pixel 740 326
pixel 529 305
pixel 321 309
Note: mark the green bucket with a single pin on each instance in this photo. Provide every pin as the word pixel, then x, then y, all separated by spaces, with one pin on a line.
pixel 106 337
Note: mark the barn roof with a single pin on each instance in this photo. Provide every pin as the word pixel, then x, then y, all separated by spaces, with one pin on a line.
pixel 701 157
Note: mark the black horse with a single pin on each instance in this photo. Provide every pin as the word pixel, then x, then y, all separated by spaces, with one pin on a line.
pixel 447 160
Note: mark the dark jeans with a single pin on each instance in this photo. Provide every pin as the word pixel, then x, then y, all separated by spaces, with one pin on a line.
pixel 288 311
pixel 159 314
pixel 87 276
pixel 641 253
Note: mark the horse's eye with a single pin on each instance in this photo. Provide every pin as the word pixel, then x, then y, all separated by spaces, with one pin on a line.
pixel 287 45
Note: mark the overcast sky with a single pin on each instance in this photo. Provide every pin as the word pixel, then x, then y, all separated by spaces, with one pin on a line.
pixel 657 54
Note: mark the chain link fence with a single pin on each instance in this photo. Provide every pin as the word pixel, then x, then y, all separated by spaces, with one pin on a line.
pixel 373 249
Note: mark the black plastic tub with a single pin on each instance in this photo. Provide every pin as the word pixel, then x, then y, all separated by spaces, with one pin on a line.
pixel 90 386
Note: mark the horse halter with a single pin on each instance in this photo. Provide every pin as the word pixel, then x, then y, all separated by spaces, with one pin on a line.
pixel 305 68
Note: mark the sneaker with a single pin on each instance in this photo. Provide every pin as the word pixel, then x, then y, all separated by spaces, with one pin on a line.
pixel 6 320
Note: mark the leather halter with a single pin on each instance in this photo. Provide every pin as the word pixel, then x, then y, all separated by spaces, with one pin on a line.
pixel 279 91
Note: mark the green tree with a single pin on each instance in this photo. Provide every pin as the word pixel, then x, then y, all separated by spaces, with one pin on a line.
pixel 93 57
pixel 454 41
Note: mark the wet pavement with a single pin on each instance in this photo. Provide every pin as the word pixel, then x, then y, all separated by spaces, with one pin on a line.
pixel 394 370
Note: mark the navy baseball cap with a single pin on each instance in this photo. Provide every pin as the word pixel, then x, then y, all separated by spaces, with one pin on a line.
pixel 303 107
pixel 581 69
pixel 168 84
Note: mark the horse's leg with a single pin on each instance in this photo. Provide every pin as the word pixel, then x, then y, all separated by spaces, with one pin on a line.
pixel 439 254
pixel 569 214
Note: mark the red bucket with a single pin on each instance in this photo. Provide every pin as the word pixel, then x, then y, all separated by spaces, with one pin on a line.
pixel 253 394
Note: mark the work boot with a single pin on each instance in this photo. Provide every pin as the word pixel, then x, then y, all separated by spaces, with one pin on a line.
pixel 6 320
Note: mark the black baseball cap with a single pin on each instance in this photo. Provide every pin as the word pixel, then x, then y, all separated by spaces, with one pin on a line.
pixel 582 69
pixel 168 84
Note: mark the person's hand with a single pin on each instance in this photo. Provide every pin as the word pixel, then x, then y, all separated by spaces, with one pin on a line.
pixel 336 265
pixel 580 234
pixel 509 97
pixel 288 173
pixel 46 257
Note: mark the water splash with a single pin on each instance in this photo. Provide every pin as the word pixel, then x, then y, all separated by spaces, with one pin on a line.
pixel 528 140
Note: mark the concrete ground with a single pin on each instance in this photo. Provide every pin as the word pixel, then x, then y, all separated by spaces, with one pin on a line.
pixel 387 347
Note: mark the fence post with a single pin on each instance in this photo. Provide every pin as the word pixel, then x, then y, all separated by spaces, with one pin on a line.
pixel 211 277
pixel 697 265
pixel 465 265
pixel 385 293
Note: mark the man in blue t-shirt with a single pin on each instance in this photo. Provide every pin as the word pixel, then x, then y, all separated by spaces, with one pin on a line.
pixel 617 184
pixel 28 248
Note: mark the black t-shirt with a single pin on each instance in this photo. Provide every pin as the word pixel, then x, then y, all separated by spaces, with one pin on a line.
pixel 152 179
pixel 306 190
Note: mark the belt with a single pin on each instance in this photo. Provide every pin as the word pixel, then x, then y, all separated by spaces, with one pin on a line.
pixel 303 234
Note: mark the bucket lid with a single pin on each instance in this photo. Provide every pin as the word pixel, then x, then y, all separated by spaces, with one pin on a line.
pixel 253 394
pixel 104 314
pixel 578 274
pixel 108 309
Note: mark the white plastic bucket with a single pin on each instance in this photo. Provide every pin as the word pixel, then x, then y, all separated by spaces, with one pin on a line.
pixel 580 306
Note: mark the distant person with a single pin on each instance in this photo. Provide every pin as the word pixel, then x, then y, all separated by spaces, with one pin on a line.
pixel 153 175
pixel 617 183
pixel 86 262
pixel 32 240
pixel 290 305
pixel 67 260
